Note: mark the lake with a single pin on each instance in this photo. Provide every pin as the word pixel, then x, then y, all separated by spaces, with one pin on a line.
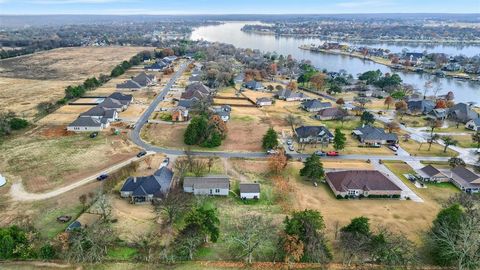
pixel 230 32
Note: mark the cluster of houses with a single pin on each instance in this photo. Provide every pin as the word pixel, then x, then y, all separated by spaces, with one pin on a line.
pixel 155 187
pixel 100 116
pixel 465 179
pixel 138 82
pixel 161 64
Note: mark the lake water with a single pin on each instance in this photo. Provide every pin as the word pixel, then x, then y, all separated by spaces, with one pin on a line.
pixel 231 33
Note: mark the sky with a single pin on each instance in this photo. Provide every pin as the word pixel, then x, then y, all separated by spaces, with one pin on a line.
pixel 22 7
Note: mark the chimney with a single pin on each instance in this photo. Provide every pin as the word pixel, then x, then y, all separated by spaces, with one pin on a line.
pixel 135 179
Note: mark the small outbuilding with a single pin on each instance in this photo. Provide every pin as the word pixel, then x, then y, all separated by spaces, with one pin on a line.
pixel 250 191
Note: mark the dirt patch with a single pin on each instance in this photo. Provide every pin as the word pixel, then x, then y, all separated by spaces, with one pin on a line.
pixel 133 220
pixel 54 132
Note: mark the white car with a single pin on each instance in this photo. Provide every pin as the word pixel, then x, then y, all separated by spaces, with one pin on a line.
pixel 165 162
pixel 289 142
pixel 272 152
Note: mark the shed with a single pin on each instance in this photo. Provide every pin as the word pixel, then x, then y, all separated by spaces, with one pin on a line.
pixel 250 191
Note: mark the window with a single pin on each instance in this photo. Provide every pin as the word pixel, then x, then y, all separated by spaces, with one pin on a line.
pixel 217 190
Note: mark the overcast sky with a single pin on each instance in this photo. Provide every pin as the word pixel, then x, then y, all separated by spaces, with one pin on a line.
pixel 236 6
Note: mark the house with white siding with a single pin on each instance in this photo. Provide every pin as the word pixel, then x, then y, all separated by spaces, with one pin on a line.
pixel 212 185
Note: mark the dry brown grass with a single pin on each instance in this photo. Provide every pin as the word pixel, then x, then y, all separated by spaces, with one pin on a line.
pixel 29 80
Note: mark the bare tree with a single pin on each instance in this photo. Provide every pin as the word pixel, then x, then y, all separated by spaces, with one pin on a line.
pixel 173 205
pixel 104 206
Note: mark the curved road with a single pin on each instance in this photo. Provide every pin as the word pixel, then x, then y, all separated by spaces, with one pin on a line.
pixel 18 192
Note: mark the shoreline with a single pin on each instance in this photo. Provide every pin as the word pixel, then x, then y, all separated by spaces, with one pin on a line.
pixel 364 40
pixel 455 75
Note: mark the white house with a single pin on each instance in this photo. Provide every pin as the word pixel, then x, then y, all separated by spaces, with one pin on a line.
pixel 264 101
pixel 250 191
pixel 213 185
pixel 87 124
pixel 473 124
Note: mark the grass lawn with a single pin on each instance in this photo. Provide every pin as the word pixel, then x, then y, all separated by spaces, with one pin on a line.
pixel 465 141
pixel 413 120
pixel 417 149
pixel 47 224
pixel 121 253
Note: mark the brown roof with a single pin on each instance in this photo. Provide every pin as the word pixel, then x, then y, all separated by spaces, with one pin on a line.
pixel 331 112
pixel 430 170
pixel 465 174
pixel 365 180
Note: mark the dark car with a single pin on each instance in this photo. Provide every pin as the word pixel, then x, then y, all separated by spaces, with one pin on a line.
pixel 93 134
pixel 320 153
pixel 102 177
pixel 141 154
pixel 64 219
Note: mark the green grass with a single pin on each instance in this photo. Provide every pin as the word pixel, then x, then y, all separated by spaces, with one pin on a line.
pixel 47 223
pixel 245 118
pixel 121 253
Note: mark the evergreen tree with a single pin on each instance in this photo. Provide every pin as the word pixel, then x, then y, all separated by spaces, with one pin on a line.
pixel 339 140
pixel 313 168
pixel 270 139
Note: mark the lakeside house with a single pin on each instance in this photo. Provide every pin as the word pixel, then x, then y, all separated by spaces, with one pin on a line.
pixel 362 183
pixel 214 185
pixel 473 124
pixel 147 188
pixel 423 106
pixel 462 112
pixel 437 114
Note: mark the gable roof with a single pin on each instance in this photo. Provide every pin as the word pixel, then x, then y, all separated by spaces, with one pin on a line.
pixel 366 180
pixel 129 84
pixel 372 133
pixel 110 103
pixel 253 84
pixel 331 112
pixel 315 104
pixel 155 184
pixel 423 106
pixel 463 112
pixel 287 93
pixel 465 174
pixel 121 97
pixel 144 79
pixel 99 111
pixel 212 181
pixel 86 122
pixel 313 131
pixel 429 171
pixel 249 188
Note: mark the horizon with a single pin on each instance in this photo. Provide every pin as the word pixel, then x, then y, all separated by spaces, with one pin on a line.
pixel 246 7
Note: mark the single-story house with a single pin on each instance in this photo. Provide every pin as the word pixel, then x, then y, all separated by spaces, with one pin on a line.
pixel 250 191
pixel 289 95
pixel 437 114
pixel 130 85
pixel 87 124
pixel 180 114
pixel 123 98
pixel 254 85
pixel 374 136
pixel 315 105
pixel 198 90
pixel 423 106
pixel 195 78
pixel 361 183
pixel 101 113
pixel 223 111
pixel 145 79
pixel 313 134
pixel 465 179
pixel 462 112
pixel 207 185
pixel 473 124
pixel 331 113
pixel 188 103
pixel 110 103
pixel 264 101
pixel 157 66
pixel 147 188
pixel 431 174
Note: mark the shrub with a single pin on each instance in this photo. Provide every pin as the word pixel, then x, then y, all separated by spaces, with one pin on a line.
pixel 47 252
pixel 18 123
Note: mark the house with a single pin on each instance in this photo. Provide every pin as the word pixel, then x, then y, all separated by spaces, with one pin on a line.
pixel 423 106
pixel 249 191
pixel 331 114
pixel 195 78
pixel 452 67
pixel 289 95
pixel 207 185
pixel 110 103
pixel 196 89
pixel 361 183
pixel 462 112
pixel 147 188
pixel 473 124
pixel 437 114
pixel 123 98
pixel 263 101
pixel 431 174
pixel 180 114
pixel 313 134
pixel 188 103
pixel 374 136
pixel 465 179
pixel 157 66
pixel 223 111
pixel 87 124
pixel 145 79
pixel 130 85
pixel 254 85
pixel 315 105
pixel 101 113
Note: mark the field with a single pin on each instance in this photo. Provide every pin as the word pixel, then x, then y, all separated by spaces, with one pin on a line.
pixel 49 157
pixel 29 80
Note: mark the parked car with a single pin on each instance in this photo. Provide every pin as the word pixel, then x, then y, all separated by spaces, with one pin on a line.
pixel 93 134
pixel 64 219
pixel 272 151
pixel 332 153
pixel 380 112
pixel 165 162
pixel 393 148
pixel 320 153
pixel 289 142
pixel 291 148
pixel 102 177
pixel 141 154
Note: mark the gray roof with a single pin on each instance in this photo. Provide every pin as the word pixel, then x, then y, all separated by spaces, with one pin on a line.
pixel 86 122
pixel 253 84
pixel 287 93
pixel 110 103
pixel 212 181
pixel 155 184
pixel 332 112
pixel 463 112
pixel 143 79
pixel 372 133
pixel 422 106
pixel 249 188
pixel 99 111
pixel 313 131
pixel 316 104
pixel 121 97
pixel 429 171
pixel 264 99
pixel 129 84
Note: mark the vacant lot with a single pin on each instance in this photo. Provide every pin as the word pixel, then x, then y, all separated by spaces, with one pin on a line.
pixel 28 80
pixel 50 157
